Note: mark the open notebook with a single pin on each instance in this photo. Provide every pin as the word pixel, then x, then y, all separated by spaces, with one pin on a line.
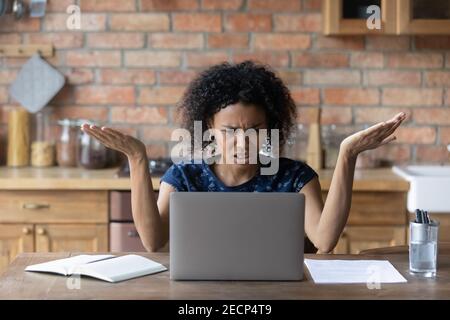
pixel 104 267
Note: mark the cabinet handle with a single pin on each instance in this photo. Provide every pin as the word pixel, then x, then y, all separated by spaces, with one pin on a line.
pixel 133 234
pixel 41 231
pixel 26 230
pixel 35 206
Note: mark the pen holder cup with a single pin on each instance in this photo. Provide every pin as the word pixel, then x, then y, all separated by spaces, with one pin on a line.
pixel 423 248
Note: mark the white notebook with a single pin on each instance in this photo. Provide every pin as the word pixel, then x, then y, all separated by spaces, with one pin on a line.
pixel 104 267
pixel 353 271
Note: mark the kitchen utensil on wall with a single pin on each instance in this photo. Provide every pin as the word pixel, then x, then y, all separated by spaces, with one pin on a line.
pixel 43 144
pixel 15 7
pixel 18 138
pixel 314 153
pixel 36 84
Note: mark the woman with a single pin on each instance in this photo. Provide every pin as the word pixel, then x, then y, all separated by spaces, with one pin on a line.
pixel 243 96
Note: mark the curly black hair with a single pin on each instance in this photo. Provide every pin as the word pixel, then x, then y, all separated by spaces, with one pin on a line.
pixel 247 82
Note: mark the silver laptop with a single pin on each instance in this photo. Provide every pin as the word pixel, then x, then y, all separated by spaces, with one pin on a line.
pixel 236 236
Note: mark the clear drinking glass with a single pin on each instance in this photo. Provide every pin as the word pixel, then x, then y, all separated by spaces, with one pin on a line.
pixel 423 248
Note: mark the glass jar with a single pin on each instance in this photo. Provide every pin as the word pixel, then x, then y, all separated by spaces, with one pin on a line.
pixel 67 144
pixel 92 154
pixel 43 144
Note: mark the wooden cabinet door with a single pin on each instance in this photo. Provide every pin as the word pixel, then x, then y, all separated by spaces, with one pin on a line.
pixel 354 239
pixel 72 237
pixel 14 239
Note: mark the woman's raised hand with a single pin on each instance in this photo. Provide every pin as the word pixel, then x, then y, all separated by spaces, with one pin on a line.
pixel 113 139
pixel 372 137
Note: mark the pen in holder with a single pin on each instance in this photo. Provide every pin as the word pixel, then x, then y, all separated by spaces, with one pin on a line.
pixel 423 245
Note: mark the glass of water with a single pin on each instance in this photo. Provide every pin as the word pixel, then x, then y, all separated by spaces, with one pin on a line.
pixel 423 248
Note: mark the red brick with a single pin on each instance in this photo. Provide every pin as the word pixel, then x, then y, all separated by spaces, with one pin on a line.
pixel 59 40
pixel 415 135
pixel 92 58
pixel 366 60
pixel 412 97
pixel 351 96
pixel 393 78
pixel 152 59
pixel 89 22
pixel 334 77
pixel 433 116
pixel 10 24
pixel 139 22
pixel 312 5
pixel 157 150
pixel 222 5
pixel 202 22
pixel 277 41
pixel 127 76
pixel 437 78
pixel 431 154
pixel 227 40
pixel 104 95
pixel 7 76
pixel 290 77
pixel 348 43
pixel 305 96
pixel 205 59
pixel 242 22
pixel 415 60
pixel 389 154
pixel 447 99
pixel 388 43
pixel 147 115
pixel 444 135
pixel 278 5
pixel 115 40
pixel 176 77
pixel 172 5
pixel 157 133
pixel 77 76
pixel 3 95
pixel 336 115
pixel 432 42
pixel 378 114
pixel 175 41
pixel 160 95
pixel 107 5
pixel 10 38
pixel 298 22
pixel 94 113
pixel 274 59
pixel 319 60
pixel 59 5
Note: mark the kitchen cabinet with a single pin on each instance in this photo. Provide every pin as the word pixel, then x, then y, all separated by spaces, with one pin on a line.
pixel 14 239
pixel 347 17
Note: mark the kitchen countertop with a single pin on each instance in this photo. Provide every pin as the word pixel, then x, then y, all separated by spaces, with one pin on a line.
pixel 15 283
pixel 57 178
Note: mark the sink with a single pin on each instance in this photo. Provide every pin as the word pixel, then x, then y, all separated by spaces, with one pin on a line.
pixel 429 187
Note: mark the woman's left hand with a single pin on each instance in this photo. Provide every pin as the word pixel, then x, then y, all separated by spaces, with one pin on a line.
pixel 372 137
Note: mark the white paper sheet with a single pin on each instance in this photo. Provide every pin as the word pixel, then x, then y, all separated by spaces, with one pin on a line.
pixel 353 271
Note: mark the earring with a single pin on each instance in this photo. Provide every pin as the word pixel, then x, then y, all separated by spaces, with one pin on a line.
pixel 266 148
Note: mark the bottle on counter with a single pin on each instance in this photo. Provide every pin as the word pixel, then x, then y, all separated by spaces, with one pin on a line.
pixel 43 143
pixel 18 152
pixel 67 143
pixel 92 154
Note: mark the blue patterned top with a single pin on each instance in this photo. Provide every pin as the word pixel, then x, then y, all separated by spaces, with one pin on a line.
pixel 292 175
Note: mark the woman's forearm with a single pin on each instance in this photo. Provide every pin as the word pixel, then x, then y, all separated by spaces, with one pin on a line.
pixel 337 205
pixel 144 206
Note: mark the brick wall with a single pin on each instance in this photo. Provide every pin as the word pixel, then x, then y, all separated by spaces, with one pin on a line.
pixel 131 61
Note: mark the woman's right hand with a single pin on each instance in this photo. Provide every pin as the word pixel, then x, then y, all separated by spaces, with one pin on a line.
pixel 133 148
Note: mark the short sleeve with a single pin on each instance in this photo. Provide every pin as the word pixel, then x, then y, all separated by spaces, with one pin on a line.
pixel 303 175
pixel 175 177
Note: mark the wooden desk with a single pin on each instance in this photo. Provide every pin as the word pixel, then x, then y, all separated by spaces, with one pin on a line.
pixel 15 283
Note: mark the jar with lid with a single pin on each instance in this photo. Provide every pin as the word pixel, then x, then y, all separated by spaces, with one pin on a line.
pixel 67 143
pixel 92 154
pixel 43 143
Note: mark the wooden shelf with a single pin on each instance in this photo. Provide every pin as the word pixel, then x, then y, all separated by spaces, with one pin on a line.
pixel 23 51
